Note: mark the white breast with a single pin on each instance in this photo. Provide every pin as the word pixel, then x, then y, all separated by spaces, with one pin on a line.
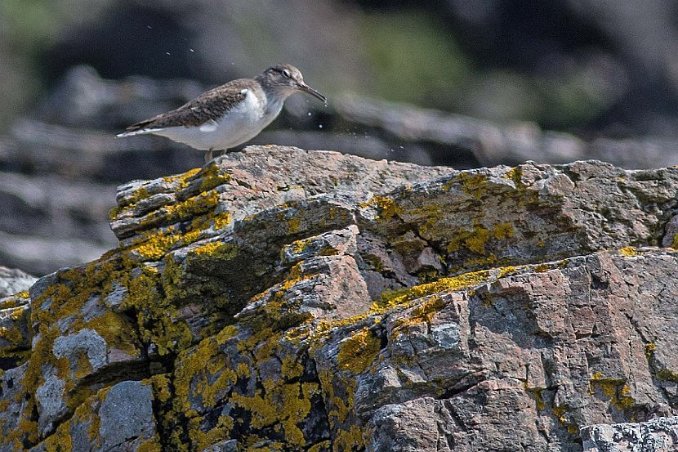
pixel 238 125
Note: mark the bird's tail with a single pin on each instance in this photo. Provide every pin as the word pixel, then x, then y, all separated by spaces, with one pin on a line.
pixel 137 132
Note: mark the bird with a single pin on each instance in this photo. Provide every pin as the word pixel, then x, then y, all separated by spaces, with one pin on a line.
pixel 230 114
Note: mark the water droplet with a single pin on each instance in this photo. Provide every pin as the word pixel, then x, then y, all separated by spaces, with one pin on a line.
pixel 167 53
pixel 149 27
pixel 191 50
pixel 309 113
pixel 320 126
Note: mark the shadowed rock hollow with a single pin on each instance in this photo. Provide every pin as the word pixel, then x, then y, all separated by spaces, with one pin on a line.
pixel 287 299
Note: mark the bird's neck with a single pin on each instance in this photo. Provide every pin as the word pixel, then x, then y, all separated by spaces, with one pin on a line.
pixel 273 91
pixel 275 97
pixel 274 103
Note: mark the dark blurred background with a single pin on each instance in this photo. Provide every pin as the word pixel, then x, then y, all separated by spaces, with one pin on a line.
pixel 464 83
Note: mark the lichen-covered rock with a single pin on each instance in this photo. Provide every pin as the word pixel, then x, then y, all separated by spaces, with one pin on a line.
pixel 14 316
pixel 282 299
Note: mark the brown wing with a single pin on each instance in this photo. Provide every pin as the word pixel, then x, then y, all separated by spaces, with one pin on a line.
pixel 211 104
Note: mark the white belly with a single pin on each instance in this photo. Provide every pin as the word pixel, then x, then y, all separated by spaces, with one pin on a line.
pixel 239 125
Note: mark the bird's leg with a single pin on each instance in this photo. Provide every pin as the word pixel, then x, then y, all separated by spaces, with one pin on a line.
pixel 208 156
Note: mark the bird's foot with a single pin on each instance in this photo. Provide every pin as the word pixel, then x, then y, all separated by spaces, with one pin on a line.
pixel 212 154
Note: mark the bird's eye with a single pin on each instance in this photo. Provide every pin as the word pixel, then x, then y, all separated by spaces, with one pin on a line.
pixel 286 73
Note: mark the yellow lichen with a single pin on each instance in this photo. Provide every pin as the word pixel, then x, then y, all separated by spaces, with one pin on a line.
pixel 291 368
pixel 538 398
pixel 131 201
pixel 507 271
pixel 222 220
pixel 450 284
pixel 150 445
pixel 59 441
pixel 156 321
pixel 667 375
pixel 476 241
pixel 350 439
pixel 12 335
pixel 263 413
pixel 294 225
pixel 161 388
pixel 196 205
pixel 502 231
pixel 358 351
pixel 219 432
pixel 473 183
pixel 650 347
pixel 421 314
pixel 387 208
pixel 212 177
pixel 559 411
pixel 541 268
pixel 199 367
pixel 320 447
pixel 182 180
pixel 515 174
pixel 155 245
pixel 615 389
pixel 217 249
pixel 628 251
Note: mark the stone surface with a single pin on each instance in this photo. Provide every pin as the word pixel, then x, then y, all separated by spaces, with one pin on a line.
pixel 286 299
pixel 13 280
pixel 126 415
pixel 657 435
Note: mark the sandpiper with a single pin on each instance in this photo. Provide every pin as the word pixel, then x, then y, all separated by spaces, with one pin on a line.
pixel 230 114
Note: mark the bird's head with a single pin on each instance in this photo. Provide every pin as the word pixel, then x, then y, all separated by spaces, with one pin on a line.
pixel 286 79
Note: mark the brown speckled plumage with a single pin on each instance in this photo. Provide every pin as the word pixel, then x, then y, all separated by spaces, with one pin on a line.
pixel 212 104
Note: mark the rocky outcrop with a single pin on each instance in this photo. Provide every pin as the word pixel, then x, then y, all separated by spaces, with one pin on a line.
pixel 59 168
pixel 285 299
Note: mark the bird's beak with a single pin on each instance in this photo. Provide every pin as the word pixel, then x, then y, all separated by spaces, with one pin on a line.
pixel 307 89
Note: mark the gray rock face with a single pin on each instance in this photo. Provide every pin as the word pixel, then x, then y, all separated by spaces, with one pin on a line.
pixel 50 398
pixel 287 299
pixel 657 435
pixel 126 416
pixel 86 342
